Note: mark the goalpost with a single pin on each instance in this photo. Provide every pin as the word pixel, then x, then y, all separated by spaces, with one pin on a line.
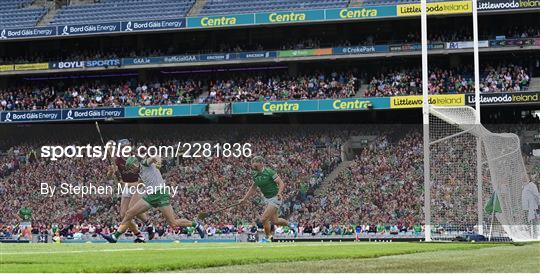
pixel 458 200
pixel 473 178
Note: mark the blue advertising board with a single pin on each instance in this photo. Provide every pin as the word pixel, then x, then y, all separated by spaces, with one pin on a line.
pixel 102 63
pixel 66 65
pixel 153 25
pixel 19 33
pixel 30 116
pixel 59 115
pixel 85 64
pixel 181 58
pixel 198 58
pixel 141 61
pixel 67 30
pixel 360 50
pixel 257 55
pixel 92 114
pixel 218 57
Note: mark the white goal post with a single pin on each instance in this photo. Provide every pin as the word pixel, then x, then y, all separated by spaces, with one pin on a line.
pixel 475 180
pixel 458 202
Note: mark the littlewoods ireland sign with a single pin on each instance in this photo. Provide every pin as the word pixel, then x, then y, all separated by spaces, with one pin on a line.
pixel 506 98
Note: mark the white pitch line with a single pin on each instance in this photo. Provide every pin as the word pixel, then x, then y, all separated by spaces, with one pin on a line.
pixel 71 251
pixel 172 248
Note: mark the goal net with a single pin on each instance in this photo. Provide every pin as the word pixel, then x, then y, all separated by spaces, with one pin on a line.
pixel 476 180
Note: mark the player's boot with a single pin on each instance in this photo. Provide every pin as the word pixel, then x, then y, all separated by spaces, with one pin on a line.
pixel 200 229
pixel 139 240
pixel 110 238
pixel 267 239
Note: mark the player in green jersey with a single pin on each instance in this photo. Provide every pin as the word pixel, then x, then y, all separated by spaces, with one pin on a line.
pixel 126 172
pixel 272 187
pixel 25 214
pixel 25 223
pixel 156 196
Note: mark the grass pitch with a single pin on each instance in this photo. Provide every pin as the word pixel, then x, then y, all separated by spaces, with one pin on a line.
pixel 274 257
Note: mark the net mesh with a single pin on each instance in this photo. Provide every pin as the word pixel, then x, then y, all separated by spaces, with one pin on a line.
pixel 461 203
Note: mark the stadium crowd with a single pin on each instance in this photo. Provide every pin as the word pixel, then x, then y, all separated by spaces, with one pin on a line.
pixel 8 164
pixel 284 87
pixel 12 159
pixel 377 192
pixel 96 94
pixel 260 86
pixel 465 34
pixel 302 160
pixel 500 78
pixel 380 188
pixel 131 93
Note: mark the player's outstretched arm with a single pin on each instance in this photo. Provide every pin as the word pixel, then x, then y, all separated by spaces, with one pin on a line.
pixel 250 193
pixel 153 160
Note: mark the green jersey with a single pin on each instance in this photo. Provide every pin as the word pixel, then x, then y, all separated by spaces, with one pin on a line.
pixel 25 214
pixel 265 181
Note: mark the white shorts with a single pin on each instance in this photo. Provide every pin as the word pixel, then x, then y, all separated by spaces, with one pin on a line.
pixel 25 224
pixel 274 201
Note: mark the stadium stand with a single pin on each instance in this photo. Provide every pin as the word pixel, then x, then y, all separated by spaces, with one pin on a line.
pixel 390 169
pixel 122 10
pixel 502 78
pixel 249 87
pixel 304 156
pixel 8 164
pixel 177 91
pixel 284 87
pixel 16 13
pixel 90 52
pixel 239 6
pixel 379 193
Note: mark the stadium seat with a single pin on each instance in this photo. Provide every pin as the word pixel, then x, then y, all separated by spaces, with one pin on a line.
pixel 16 14
pixel 239 6
pixel 122 10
